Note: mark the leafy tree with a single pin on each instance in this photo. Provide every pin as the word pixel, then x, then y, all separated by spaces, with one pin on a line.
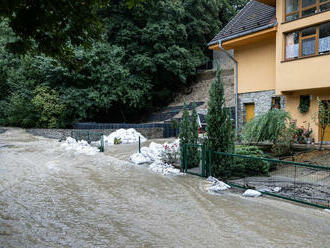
pixel 219 128
pixel 18 111
pixel 50 26
pixel 46 102
pixel 166 40
pixel 146 55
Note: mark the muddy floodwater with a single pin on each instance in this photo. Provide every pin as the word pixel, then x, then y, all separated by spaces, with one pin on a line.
pixel 50 197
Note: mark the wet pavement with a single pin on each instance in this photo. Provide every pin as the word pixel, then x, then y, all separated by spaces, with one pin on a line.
pixel 50 197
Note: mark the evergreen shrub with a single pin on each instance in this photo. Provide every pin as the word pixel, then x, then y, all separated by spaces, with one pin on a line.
pixel 219 129
pixel 249 167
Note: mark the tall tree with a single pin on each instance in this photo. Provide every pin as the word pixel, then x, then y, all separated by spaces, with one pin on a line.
pixel 166 40
pixel 52 26
pixel 194 150
pixel 219 129
pixel 184 132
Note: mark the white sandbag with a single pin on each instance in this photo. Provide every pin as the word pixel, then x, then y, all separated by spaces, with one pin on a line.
pixel 251 193
pixel 126 136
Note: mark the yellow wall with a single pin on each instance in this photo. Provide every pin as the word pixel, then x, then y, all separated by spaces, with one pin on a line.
pixel 304 73
pixel 292 103
pixel 256 66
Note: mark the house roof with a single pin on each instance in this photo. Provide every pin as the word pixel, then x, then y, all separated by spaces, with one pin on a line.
pixel 255 16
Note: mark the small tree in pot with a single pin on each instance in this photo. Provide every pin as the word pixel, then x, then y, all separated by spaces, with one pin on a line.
pixel 322 118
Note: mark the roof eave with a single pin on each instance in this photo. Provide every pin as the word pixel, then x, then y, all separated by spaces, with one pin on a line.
pixel 242 34
pixel 268 2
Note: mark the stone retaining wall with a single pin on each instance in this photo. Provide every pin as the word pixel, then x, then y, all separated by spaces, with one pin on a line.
pixel 149 133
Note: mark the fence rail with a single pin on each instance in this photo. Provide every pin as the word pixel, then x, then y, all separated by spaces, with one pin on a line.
pixel 299 182
pixel 168 129
pixel 92 138
pixel 94 125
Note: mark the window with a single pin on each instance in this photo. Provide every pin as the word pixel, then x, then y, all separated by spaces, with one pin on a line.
pixel 300 8
pixel 292 45
pixel 324 41
pixel 308 42
pixel 276 102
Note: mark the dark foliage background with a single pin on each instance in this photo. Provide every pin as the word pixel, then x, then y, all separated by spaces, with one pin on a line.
pixel 131 68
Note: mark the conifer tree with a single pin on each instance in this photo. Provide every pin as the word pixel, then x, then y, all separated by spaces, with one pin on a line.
pixel 219 129
pixel 184 130
pixel 194 151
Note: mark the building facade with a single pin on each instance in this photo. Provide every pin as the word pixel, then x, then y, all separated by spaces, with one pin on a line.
pixel 282 49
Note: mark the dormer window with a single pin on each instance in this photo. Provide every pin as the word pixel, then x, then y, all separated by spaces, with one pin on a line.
pixel 296 9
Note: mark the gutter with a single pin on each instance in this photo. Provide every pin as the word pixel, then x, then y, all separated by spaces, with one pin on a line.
pixel 236 82
pixel 243 33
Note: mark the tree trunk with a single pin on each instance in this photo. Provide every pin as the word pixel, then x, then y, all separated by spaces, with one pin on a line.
pixel 322 137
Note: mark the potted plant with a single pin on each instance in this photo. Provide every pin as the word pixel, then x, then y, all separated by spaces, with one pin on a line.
pixel 304 104
pixel 307 134
pixel 300 136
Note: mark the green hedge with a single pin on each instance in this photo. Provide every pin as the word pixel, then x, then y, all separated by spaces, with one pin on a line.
pixel 249 167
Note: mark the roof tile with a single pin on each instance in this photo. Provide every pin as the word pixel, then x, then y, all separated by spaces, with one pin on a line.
pixel 253 15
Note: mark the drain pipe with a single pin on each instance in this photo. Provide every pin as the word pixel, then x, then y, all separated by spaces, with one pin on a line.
pixel 236 83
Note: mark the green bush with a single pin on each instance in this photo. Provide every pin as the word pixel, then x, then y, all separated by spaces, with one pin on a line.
pixel 47 104
pixel 18 111
pixel 275 126
pixel 247 166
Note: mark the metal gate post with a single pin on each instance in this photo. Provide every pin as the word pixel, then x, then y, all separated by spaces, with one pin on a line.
pixel 186 158
pixel 102 143
pixel 203 161
pixel 210 163
pixel 139 144
pixel 182 157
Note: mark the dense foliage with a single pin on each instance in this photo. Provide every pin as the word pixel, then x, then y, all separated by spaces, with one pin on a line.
pixel 219 129
pixel 166 40
pixel 248 166
pixel 275 126
pixel 133 68
pixel 49 26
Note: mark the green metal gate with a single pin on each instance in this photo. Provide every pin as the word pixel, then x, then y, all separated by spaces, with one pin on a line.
pixel 193 160
pixel 300 182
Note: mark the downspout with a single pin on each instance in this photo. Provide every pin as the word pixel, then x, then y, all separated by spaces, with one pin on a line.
pixel 236 83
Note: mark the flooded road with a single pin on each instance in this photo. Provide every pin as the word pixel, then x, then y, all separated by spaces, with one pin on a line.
pixel 53 198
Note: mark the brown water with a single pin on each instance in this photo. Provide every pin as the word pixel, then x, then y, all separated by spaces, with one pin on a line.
pixel 52 198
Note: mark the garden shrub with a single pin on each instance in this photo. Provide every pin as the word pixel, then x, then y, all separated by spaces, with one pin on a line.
pixel 249 167
pixel 275 126
pixel 189 135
